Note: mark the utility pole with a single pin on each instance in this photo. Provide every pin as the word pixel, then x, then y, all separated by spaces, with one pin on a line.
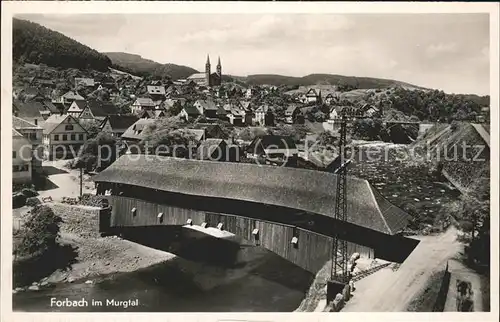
pixel 81 181
pixel 339 275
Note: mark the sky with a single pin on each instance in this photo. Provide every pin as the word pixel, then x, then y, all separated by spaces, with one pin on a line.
pixel 443 51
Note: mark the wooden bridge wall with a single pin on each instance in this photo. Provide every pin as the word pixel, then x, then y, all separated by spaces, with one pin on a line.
pixel 311 253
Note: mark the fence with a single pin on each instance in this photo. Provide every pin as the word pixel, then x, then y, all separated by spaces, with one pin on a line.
pixel 443 291
pixel 17 223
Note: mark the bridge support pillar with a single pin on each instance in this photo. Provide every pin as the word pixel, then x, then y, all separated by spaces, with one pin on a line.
pixel 333 288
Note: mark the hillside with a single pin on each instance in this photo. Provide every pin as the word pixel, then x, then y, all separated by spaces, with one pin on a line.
pixel 33 43
pixel 139 66
pixel 325 79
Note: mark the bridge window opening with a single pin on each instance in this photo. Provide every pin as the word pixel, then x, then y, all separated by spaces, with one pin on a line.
pixel 160 217
pixel 220 226
pixel 134 211
pixel 190 222
pixel 255 234
pixel 204 225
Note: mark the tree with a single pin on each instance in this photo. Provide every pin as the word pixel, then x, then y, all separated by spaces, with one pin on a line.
pixel 473 216
pixel 327 138
pixel 40 232
pixel 297 132
pixel 98 152
pixel 166 137
pixel 93 127
pixel 368 129
pixel 249 134
pixel 319 116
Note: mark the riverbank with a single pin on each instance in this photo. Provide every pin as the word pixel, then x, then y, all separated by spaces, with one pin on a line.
pixel 93 255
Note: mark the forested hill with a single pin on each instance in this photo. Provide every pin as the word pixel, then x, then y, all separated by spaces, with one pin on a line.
pixel 33 43
pixel 136 65
pixel 325 79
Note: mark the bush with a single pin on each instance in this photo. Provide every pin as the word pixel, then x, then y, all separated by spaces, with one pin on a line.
pixel 33 201
pixel 40 232
pixel 18 200
pixel 29 192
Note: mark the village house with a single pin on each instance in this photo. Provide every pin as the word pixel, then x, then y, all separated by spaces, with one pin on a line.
pixel 21 158
pixel 152 114
pixel 218 150
pixel 189 112
pixel 212 131
pixel 30 94
pixel 69 97
pixel 76 108
pixel 273 147
pixel 335 112
pixel 47 83
pixel 97 110
pixel 312 96
pixel 84 82
pixel 33 133
pixel 30 111
pixel 250 92
pixel 206 107
pixel 63 136
pixel 134 133
pixel 156 92
pixel 236 116
pixel 293 115
pixel 330 99
pixel 373 111
pixel 142 103
pixel 117 124
pixel 264 116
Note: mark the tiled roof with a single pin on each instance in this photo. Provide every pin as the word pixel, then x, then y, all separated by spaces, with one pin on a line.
pixel 19 123
pixel 134 132
pixel 16 134
pixel 208 104
pixel 73 95
pixel 145 101
pixel 52 122
pixel 156 90
pixel 120 121
pixel 197 76
pixel 84 81
pixel 191 110
pixel 208 147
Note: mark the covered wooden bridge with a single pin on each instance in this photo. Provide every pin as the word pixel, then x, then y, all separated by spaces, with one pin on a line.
pixel 286 210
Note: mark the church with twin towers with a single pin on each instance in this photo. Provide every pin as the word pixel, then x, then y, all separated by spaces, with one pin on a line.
pixel 208 78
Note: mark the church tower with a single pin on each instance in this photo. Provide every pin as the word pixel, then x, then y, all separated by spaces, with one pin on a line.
pixel 207 72
pixel 219 72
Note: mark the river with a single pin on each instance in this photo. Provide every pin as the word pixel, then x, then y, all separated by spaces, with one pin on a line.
pixel 255 280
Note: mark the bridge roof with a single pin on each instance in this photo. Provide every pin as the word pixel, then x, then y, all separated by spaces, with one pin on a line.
pixel 305 190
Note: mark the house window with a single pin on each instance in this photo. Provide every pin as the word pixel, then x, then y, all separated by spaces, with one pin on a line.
pixel 14 154
pixel 80 137
pixel 73 137
pixel 69 127
pixel 65 137
pixel 32 136
pixel 23 167
pixel 56 137
pixel 15 168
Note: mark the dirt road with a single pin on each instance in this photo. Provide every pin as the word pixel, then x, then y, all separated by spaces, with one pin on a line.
pixel 63 182
pixel 392 291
